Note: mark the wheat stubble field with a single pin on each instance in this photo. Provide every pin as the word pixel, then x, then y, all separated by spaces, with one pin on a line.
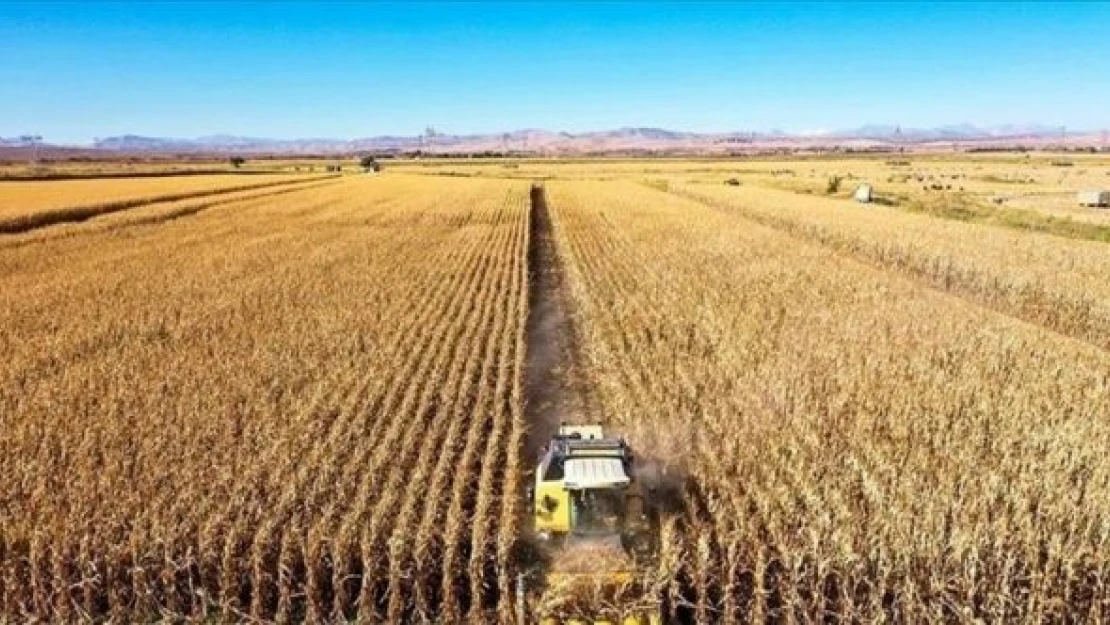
pixel 304 402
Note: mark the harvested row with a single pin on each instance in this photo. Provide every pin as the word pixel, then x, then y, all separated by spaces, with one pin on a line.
pixel 31 205
pixel 855 446
pixel 1058 283
pixel 298 407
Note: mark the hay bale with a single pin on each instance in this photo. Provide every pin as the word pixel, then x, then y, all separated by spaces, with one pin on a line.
pixel 863 194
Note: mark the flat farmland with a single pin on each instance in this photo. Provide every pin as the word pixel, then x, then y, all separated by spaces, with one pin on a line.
pixel 854 445
pixel 1052 281
pixel 25 205
pixel 1029 191
pixel 313 401
pixel 247 413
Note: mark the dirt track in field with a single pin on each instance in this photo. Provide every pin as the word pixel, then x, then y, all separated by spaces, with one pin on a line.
pixel 554 386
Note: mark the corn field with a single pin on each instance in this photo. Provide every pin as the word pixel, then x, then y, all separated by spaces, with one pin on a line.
pixel 303 402
pixel 855 446
pixel 1057 283
pixel 286 409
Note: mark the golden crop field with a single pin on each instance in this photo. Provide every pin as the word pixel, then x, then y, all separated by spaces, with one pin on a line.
pixel 1031 187
pixel 61 167
pixel 857 446
pixel 278 409
pixel 27 205
pixel 69 169
pixel 312 401
pixel 1059 283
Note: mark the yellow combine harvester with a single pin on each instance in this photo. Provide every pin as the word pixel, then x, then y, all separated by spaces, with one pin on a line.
pixel 595 519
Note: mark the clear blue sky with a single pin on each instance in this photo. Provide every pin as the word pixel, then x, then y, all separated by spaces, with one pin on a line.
pixel 76 71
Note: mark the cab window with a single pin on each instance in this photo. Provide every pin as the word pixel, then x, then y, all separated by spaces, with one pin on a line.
pixel 553 472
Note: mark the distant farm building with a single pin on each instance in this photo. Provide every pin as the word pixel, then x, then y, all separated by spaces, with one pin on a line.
pixel 1099 199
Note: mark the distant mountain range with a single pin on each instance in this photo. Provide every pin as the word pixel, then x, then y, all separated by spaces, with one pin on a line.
pixel 958 132
pixel 527 140
pixel 618 140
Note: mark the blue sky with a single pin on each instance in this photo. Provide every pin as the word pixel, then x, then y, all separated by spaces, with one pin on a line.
pixel 76 71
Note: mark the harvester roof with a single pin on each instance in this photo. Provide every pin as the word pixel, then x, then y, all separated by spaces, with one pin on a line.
pixel 594 472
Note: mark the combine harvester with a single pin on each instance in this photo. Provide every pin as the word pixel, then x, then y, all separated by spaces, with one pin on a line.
pixel 595 525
